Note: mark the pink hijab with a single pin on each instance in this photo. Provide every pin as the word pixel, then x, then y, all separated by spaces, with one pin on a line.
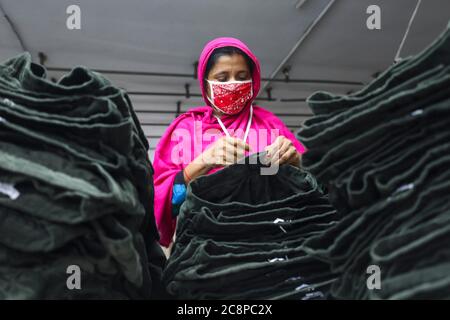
pixel 192 132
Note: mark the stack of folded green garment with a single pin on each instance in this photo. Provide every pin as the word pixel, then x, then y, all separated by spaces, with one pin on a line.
pixel 240 233
pixel 75 189
pixel 384 155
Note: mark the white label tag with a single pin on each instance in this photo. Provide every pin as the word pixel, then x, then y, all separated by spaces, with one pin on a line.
pixel 405 187
pixel 8 102
pixel 9 190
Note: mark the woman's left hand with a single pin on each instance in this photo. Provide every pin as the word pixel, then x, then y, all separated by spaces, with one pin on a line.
pixel 283 151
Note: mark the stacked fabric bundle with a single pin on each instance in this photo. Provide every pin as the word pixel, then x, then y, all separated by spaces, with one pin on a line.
pixel 75 188
pixel 240 231
pixel 384 153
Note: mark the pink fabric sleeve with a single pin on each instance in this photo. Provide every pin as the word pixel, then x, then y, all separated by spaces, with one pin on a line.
pixel 165 170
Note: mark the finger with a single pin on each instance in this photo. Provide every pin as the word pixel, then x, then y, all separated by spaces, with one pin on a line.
pixel 220 156
pixel 290 155
pixel 268 150
pixel 287 156
pixel 243 145
pixel 239 149
pixel 235 155
pixel 281 150
pixel 221 141
pixel 240 154
pixel 224 158
pixel 228 145
pixel 273 151
pixel 286 145
pixel 274 158
pixel 275 146
pixel 234 151
pixel 238 143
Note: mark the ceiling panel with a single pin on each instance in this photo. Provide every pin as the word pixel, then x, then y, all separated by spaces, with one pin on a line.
pixel 167 36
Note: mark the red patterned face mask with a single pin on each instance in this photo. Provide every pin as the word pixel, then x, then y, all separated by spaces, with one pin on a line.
pixel 230 97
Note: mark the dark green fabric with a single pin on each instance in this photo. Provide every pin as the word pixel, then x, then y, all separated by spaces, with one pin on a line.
pixel 240 235
pixel 370 123
pixel 77 188
pixel 384 155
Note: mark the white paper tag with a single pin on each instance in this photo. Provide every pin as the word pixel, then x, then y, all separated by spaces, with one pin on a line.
pixel 8 102
pixel 303 286
pixel 405 187
pixel 417 112
pixel 9 190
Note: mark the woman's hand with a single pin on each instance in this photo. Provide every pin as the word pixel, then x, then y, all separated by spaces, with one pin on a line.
pixel 224 151
pixel 282 151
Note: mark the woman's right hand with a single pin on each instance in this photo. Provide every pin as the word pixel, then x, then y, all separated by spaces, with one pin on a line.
pixel 224 152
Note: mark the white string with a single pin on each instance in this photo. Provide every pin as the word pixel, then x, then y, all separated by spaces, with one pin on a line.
pixel 397 56
pixel 223 127
pixel 247 130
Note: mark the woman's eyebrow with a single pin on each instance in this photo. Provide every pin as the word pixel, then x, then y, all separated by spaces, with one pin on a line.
pixel 221 73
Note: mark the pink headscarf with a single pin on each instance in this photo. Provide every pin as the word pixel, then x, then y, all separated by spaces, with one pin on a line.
pixel 192 132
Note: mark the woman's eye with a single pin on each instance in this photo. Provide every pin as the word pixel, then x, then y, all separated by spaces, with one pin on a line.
pixel 243 76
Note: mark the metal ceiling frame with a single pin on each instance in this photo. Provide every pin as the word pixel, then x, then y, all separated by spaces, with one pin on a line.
pixel 192 76
pixel 402 43
pixel 13 28
pixel 309 29
pixel 197 95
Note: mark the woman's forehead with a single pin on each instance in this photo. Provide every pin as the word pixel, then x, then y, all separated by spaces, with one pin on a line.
pixel 229 63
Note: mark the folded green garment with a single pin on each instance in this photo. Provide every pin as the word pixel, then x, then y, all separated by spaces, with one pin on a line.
pixel 76 188
pixel 240 235
pixel 383 154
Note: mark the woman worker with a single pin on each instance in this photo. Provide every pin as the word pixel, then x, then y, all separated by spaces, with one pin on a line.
pixel 208 138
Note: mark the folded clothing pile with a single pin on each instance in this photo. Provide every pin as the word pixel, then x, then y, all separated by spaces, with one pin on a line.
pixel 240 233
pixel 384 155
pixel 75 188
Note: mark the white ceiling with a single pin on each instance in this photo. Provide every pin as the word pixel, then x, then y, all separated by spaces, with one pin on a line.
pixel 168 35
